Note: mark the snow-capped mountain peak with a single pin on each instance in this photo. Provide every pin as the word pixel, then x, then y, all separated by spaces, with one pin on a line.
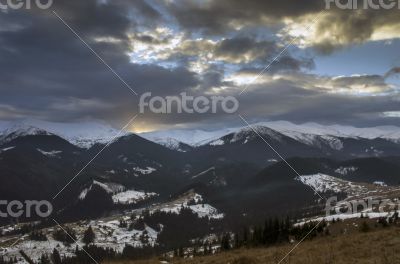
pixel 83 134
pixel 20 130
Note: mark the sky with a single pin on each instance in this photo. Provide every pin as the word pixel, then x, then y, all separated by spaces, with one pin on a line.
pixel 334 66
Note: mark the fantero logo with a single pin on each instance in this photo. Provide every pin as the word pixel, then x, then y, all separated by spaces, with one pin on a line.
pixel 187 104
pixel 25 4
pixel 27 209
pixel 362 4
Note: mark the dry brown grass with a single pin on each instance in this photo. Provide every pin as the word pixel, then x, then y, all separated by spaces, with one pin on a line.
pixel 380 246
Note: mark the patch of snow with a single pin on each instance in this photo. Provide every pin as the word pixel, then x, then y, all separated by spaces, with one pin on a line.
pixel 6 149
pixel 202 210
pixel 346 170
pixel 147 170
pixel 380 183
pixel 50 154
pixel 206 210
pixel 131 197
pixel 83 193
pixel 199 207
pixel 218 142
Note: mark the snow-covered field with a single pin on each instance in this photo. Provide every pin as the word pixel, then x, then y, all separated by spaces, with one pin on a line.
pixel 378 197
pixel 131 197
pixel 323 183
pixel 109 234
pixel 199 207
pixel 109 231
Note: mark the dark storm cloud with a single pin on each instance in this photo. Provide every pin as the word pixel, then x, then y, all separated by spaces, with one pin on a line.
pixel 347 27
pixel 335 28
pixel 244 52
pixel 219 16
pixel 283 63
pixel 285 100
pixel 244 49
pixel 47 72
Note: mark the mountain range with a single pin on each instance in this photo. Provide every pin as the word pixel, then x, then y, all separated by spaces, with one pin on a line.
pixel 236 170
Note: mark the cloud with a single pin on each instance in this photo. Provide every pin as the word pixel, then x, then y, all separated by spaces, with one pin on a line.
pixel 220 16
pixel 210 47
pixel 244 50
pixel 48 73
pixel 337 29
pixel 334 29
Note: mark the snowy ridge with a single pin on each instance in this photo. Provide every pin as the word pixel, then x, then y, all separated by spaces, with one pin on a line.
pixel 83 135
pixel 189 137
pixel 290 129
pixel 16 131
pixel 308 133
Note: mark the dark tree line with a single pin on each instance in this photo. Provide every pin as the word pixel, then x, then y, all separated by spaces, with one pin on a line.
pixel 272 232
pixel 275 231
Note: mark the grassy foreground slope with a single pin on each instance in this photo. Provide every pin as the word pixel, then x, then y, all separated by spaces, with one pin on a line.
pixel 378 246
